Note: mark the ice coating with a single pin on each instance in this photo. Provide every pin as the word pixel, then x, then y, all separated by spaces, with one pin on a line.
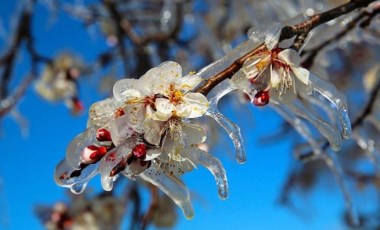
pixel 120 130
pixel 231 128
pixel 228 59
pixel 78 144
pixel 216 168
pixel 108 162
pixel 64 176
pixel 102 112
pixel 300 126
pixel 172 187
pixel 319 101
pixel 323 127
pixel 268 34
pixel 329 91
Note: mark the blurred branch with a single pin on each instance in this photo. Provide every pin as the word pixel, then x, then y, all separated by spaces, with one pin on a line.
pixel 152 207
pixel 365 17
pixel 7 61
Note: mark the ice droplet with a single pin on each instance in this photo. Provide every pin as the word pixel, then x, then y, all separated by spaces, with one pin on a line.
pixel 78 188
pixel 231 128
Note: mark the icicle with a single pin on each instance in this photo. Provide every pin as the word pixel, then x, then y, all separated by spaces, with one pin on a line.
pixel 335 168
pixel 172 187
pixel 320 102
pixel 324 128
pixel 231 128
pixel 78 188
pixel 216 168
pixel 300 126
pixel 329 91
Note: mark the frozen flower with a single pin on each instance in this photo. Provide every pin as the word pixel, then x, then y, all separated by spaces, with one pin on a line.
pixel 144 131
pixel 59 82
pixel 276 73
pixel 164 93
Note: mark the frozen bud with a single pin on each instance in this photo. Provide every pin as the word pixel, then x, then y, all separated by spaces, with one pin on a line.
pixel 261 98
pixel 93 153
pixel 118 168
pixel 77 105
pixel 139 151
pixel 119 112
pixel 103 135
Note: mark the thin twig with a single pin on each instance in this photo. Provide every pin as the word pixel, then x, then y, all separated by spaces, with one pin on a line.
pixel 312 53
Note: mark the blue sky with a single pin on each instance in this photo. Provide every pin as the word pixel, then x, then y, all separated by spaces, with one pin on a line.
pixel 27 163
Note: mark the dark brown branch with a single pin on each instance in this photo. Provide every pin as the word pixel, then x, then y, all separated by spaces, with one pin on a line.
pixel 319 19
pixel 229 72
pixel 365 17
pixel 369 107
pixel 22 33
pixel 286 33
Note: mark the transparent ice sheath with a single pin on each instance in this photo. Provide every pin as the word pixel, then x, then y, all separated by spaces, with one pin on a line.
pixel 231 128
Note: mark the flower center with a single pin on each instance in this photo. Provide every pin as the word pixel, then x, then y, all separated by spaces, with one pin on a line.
pixel 175 96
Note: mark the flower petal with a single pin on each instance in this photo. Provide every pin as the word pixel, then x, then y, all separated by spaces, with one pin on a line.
pixel 301 73
pixel 182 110
pixel 169 73
pixel 152 153
pixel 164 109
pixel 152 131
pixel 290 56
pixel 102 112
pixel 198 102
pixel 120 130
pixel 126 89
pixel 188 82
pixel 275 77
pixel 195 134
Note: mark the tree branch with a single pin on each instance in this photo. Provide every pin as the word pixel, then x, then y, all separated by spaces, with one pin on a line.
pixel 286 33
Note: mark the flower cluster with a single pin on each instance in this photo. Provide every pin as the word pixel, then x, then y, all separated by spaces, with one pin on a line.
pixel 103 211
pixel 59 82
pixel 145 131
pixel 275 75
